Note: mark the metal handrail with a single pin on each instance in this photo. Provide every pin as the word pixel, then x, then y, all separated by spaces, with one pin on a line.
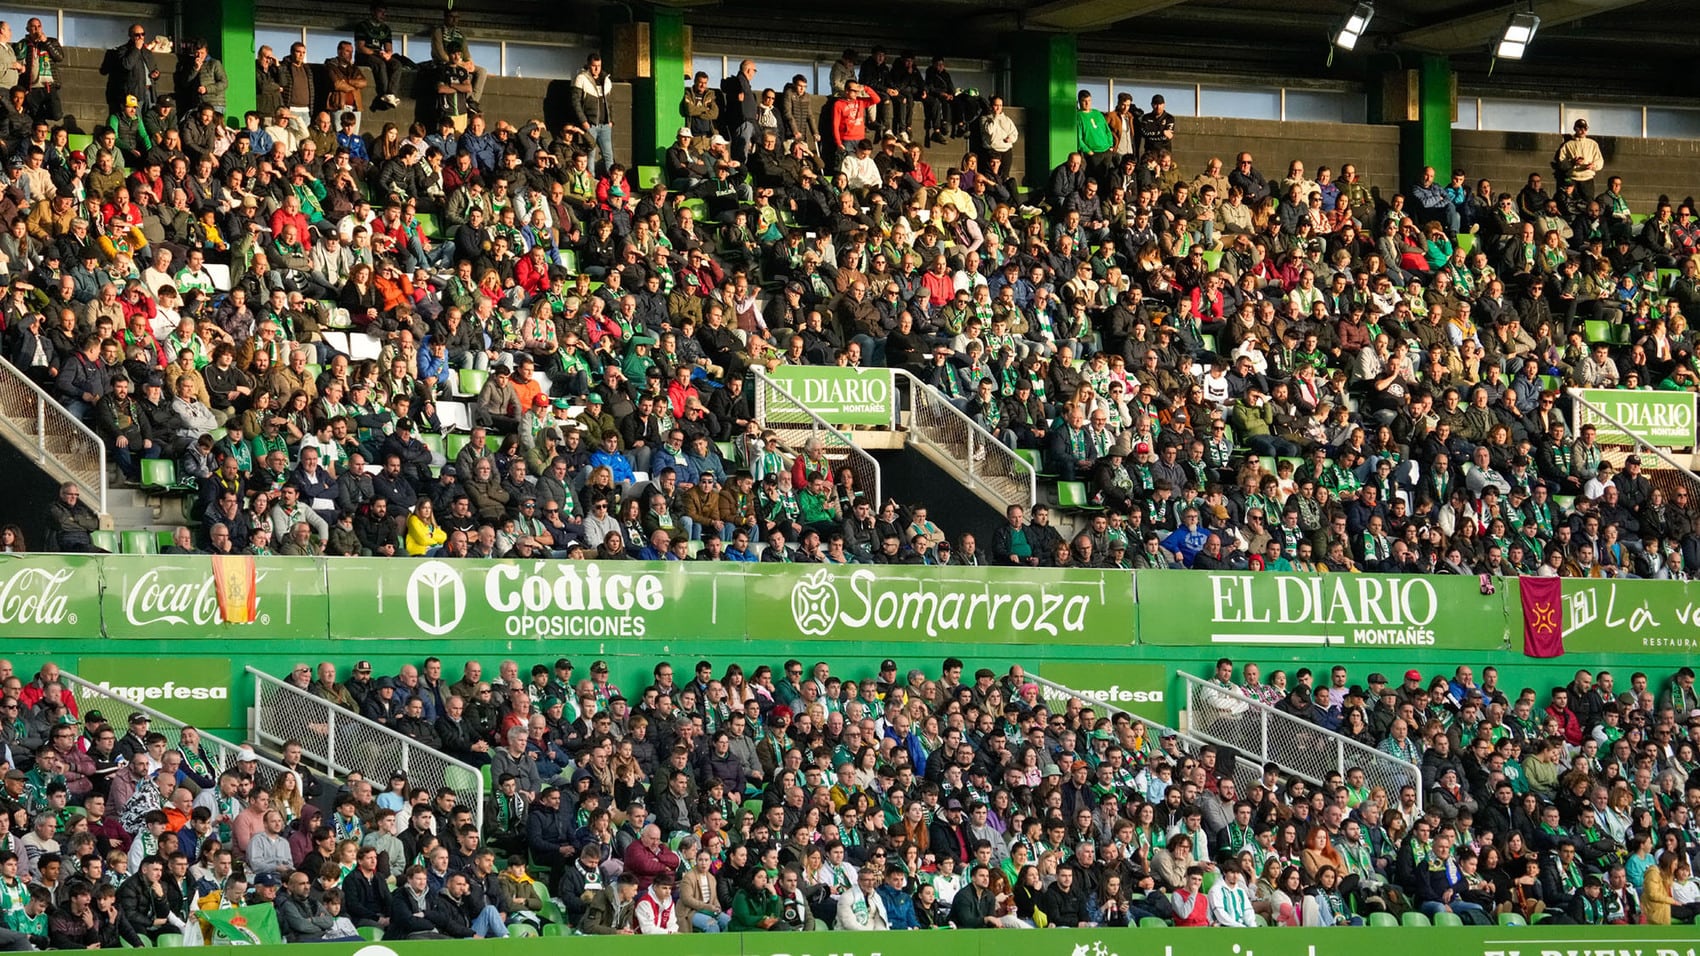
pixel 1234 719
pixel 367 747
pixel 979 453
pixel 1246 774
pixel 866 467
pixel 83 456
pixel 222 751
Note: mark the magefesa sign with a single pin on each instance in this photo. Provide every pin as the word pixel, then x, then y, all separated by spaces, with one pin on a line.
pixel 1362 610
pixel 840 396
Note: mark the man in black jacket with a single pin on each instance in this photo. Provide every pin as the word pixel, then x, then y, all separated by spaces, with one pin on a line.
pixel 1063 902
pixel 549 831
pixel 459 738
pixel 366 892
pixel 948 833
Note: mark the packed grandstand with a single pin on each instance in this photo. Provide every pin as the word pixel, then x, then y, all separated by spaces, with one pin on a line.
pixel 787 797
pixel 1220 368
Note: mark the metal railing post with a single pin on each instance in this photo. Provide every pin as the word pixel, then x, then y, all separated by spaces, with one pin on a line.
pixel 1263 722
pixel 330 736
pixel 40 431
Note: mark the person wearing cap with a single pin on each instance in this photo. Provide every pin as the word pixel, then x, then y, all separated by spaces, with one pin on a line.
pixel 685 162
pixel 1578 159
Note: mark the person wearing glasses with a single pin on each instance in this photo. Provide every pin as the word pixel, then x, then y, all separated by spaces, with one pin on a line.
pixel 130 71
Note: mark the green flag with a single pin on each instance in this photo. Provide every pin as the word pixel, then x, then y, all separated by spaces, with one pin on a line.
pixel 250 925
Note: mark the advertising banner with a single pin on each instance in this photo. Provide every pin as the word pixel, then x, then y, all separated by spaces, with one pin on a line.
pixel 50 595
pixel 1665 419
pixel 626 600
pixel 907 603
pixel 1140 689
pixel 840 396
pixel 195 690
pixel 1647 617
pixel 171 597
pixel 1354 610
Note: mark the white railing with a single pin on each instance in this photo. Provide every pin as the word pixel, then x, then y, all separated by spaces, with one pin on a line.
pixel 1246 773
pixel 346 742
pixel 116 707
pixel 1300 748
pixel 778 409
pixel 984 462
pixel 47 432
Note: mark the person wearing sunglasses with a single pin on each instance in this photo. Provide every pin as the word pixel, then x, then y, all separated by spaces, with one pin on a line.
pixel 132 72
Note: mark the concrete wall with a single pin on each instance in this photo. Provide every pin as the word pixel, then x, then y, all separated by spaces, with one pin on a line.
pixel 1273 144
pixel 1649 167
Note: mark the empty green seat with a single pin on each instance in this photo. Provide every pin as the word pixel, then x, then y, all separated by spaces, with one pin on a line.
pixel 158 474
pixel 170 941
pixel 471 380
pixel 1466 242
pixel 370 934
pixel 1414 918
pixel 432 441
pixel 1447 919
pixel 1071 496
pixel 452 444
pixel 1511 919
pixel 105 540
pixel 1153 922
pixel 138 542
pixel 1597 330
pixel 1213 258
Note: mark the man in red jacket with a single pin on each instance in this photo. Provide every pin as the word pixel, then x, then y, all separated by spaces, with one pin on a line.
pixel 648 858
pixel 850 118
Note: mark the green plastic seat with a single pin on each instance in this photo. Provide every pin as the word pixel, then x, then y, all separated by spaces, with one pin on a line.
pixel 370 934
pixel 727 451
pixel 1267 463
pixel 522 930
pixel 79 141
pixel 648 176
pixel 105 540
pixel 569 261
pixel 1549 382
pixel 162 539
pixel 1207 341
pixel 1071 496
pixel 1213 258
pixel 471 380
pixel 555 929
pixel 1511 919
pixel 158 474
pixel 1383 919
pixel 1597 330
pixel 138 542
pixel 1447 919
pixel 428 225
pixel 1414 918
pixel 432 441
pixel 1466 242
pixel 170 941
pixel 1153 922
pixel 452 444
pixel 460 778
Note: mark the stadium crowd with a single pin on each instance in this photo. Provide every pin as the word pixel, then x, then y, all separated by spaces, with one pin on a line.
pixel 1259 371
pixel 803 800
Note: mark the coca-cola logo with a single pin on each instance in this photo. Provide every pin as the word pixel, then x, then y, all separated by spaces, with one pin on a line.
pixel 156 600
pixel 36 596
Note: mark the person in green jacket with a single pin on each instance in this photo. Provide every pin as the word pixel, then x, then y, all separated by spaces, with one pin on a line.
pixel 1092 136
pixel 756 907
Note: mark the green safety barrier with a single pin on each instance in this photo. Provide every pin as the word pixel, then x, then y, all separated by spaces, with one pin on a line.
pixel 175 598
pixel 1167 941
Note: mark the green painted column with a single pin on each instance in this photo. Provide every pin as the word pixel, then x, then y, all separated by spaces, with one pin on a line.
pixel 1045 78
pixel 655 99
pixel 228 28
pixel 1428 141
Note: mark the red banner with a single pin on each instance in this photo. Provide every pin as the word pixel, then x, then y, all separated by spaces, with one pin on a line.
pixel 1543 607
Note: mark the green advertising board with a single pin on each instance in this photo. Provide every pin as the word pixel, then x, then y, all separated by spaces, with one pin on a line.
pixel 1140 689
pixel 1352 610
pixel 1665 419
pixel 195 690
pixel 1648 617
pixel 56 595
pixel 627 600
pixel 922 604
pixel 840 396
pixel 151 596
pixel 1543 940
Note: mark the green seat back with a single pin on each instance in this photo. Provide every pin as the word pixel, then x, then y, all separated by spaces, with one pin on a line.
pixel 138 542
pixel 105 540
pixel 158 473
pixel 1414 918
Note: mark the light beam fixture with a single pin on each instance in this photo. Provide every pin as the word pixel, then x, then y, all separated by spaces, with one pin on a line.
pixel 1354 26
pixel 1519 32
